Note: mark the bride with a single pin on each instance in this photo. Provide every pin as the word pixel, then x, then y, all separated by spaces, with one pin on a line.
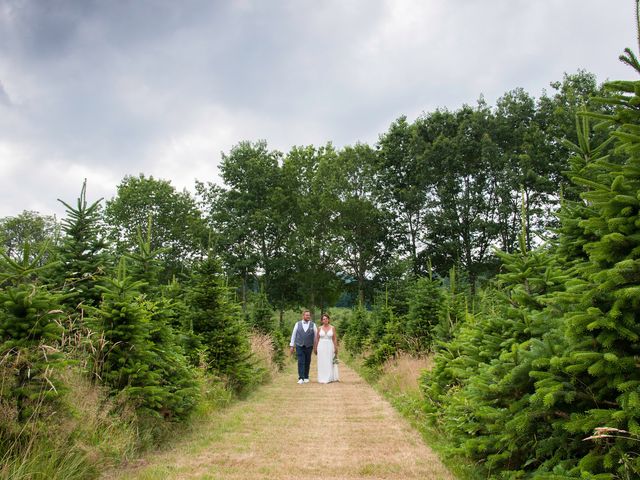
pixel 326 348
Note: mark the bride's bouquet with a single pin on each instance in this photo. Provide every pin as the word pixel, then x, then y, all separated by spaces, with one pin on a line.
pixel 335 359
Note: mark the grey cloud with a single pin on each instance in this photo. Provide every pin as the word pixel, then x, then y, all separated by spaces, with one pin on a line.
pixel 109 84
pixel 4 97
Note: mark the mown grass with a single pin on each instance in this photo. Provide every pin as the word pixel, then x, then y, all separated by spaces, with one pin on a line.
pixel 398 380
pixel 348 431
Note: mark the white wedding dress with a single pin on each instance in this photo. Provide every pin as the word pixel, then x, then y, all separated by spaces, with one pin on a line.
pixel 327 370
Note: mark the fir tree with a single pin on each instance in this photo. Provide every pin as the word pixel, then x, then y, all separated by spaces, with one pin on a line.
pixel 177 377
pixel 30 327
pixel 389 344
pixel 482 382
pixel 603 325
pixel 82 253
pixel 261 314
pixel 453 311
pixel 357 330
pixel 146 261
pixel 217 321
pixel 381 314
pixel 128 359
pixel 425 304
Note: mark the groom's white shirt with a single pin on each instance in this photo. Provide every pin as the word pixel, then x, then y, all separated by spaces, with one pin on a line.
pixel 305 327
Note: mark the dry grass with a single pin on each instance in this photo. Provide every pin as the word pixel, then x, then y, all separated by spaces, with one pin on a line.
pixel 69 438
pixel 104 436
pixel 402 374
pixel 341 430
pixel 262 349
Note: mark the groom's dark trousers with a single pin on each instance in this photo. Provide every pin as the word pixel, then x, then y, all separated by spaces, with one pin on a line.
pixel 304 361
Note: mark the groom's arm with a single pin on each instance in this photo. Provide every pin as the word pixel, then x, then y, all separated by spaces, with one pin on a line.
pixel 293 337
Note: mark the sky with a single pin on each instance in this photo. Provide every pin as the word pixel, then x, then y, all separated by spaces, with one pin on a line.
pixel 102 89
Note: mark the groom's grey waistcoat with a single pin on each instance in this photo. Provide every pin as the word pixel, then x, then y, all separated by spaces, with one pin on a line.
pixel 305 339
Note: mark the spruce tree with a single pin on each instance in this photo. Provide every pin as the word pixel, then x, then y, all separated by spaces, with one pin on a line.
pixel 177 376
pixel 603 323
pixel 453 311
pixel 357 330
pixel 82 254
pixel 30 328
pixel 140 357
pixel 126 362
pixel 261 320
pixel 389 344
pixel 425 304
pixel 381 314
pixel 218 323
pixel 481 386
pixel 145 261
pixel 261 314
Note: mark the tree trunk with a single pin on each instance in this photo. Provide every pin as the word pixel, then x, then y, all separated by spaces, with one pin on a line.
pixel 361 290
pixel 244 292
pixel 312 304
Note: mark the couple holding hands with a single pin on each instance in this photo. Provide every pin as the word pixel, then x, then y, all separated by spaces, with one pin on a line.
pixel 307 338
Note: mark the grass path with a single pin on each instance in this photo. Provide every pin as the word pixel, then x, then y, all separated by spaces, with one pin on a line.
pixel 342 430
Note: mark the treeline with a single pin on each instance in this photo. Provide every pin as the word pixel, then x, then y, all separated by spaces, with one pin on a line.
pixel 320 225
pixel 317 223
pixel 536 375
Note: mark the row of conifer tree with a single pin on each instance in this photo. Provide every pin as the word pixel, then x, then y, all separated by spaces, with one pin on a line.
pixel 537 375
pixel 154 346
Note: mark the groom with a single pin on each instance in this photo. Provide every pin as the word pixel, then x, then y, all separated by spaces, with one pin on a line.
pixel 302 339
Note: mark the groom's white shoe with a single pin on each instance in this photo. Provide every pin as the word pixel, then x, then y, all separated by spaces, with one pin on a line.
pixel 300 381
pixel 306 380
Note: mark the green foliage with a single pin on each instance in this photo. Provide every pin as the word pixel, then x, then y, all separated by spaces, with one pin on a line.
pixel 356 330
pixel 480 388
pixel 140 357
pixel 389 345
pixel 28 228
pixel 309 255
pixel 146 262
pixel 30 323
pixel 46 459
pixel 403 184
pixel 261 320
pixel 217 322
pixel 179 232
pixel 250 216
pixel 550 356
pixel 425 307
pixel 453 311
pixel 361 224
pixel 381 314
pixel 602 320
pixel 81 253
pixel 261 314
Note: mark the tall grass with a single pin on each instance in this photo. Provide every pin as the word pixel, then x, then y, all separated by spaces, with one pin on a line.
pixel 262 349
pixel 86 430
pixel 43 461
pixel 72 439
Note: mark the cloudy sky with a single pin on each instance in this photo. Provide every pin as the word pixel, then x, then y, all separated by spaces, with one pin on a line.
pixel 100 89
